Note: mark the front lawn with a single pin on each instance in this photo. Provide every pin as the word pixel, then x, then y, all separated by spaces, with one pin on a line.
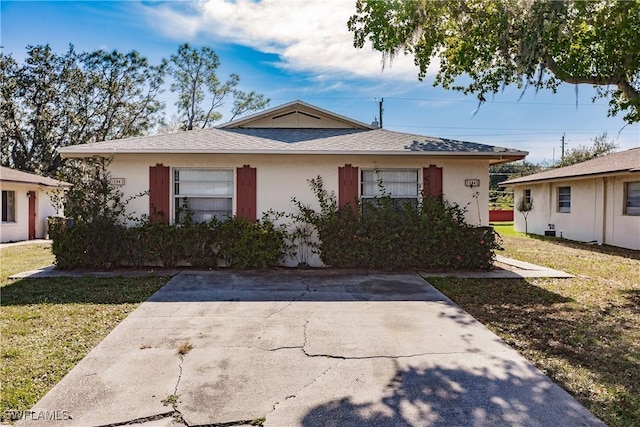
pixel 49 325
pixel 19 258
pixel 583 332
pixel 505 229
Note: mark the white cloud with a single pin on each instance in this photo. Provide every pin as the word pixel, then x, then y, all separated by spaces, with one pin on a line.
pixel 307 35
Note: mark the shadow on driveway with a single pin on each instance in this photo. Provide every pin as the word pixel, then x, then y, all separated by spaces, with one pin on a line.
pixel 440 396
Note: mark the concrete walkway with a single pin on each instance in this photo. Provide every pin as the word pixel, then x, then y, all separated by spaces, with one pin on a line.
pixel 52 271
pixel 304 348
pixel 504 268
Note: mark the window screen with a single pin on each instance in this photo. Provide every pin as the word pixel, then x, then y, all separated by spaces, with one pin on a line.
pixel 208 193
pixel 564 199
pixel 8 206
pixel 632 198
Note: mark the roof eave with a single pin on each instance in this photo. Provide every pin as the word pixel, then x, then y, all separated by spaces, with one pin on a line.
pixel 508 158
pixel 571 177
pixel 41 184
pixel 501 157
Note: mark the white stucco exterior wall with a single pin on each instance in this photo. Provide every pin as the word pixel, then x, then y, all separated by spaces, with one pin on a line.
pixel 282 177
pixel 19 230
pixel 588 209
pixel 621 229
pixel 279 178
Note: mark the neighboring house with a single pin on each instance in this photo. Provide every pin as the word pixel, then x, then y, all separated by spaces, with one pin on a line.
pixel 26 204
pixel 261 162
pixel 594 201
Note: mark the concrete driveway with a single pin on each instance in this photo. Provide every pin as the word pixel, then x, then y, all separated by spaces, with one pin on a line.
pixel 304 348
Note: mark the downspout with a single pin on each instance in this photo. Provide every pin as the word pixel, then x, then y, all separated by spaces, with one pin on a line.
pixel 550 207
pixel 604 209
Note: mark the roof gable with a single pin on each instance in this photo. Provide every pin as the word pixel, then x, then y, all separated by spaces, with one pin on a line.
pixel 296 114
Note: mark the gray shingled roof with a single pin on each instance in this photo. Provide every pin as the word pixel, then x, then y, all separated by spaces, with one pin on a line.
pixel 623 161
pixel 13 175
pixel 293 135
pixel 292 141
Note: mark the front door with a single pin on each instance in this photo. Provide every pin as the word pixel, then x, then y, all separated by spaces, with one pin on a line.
pixel 32 215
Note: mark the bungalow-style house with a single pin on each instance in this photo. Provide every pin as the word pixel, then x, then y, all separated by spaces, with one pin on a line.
pixel 594 201
pixel 260 162
pixel 26 204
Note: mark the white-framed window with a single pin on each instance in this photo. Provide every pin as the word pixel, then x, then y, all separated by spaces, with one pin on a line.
pixel 526 195
pixel 632 198
pixel 208 193
pixel 402 185
pixel 8 206
pixel 564 199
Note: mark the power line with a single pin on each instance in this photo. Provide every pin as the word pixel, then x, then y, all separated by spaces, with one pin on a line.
pixel 447 100
pixel 477 134
pixel 495 102
pixel 584 130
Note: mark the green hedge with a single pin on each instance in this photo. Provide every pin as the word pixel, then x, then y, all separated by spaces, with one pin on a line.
pixel 234 243
pixel 381 233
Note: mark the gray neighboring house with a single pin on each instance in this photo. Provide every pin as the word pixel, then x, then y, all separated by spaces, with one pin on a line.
pixel 594 201
pixel 26 204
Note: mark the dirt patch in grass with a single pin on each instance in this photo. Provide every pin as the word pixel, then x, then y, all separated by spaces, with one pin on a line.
pixel 583 332
pixel 49 325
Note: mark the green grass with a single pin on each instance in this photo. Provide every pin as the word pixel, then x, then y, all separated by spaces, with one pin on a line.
pixel 583 332
pixel 19 258
pixel 505 229
pixel 49 325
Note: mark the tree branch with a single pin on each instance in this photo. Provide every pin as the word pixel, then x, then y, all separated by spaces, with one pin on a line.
pixel 628 90
pixel 622 84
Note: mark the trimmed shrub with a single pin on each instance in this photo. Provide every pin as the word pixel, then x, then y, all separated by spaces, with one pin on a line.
pixel 86 245
pixel 235 243
pixel 381 233
pixel 249 245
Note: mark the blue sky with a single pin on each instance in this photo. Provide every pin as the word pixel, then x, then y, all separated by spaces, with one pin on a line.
pixel 295 49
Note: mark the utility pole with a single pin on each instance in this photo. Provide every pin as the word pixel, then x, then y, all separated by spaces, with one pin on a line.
pixel 381 110
pixel 562 158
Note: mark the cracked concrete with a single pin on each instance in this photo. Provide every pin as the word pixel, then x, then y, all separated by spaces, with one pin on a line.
pixel 306 348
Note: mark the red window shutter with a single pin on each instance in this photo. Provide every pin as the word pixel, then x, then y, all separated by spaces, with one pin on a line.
pixel 432 181
pixel 348 187
pixel 246 203
pixel 159 179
